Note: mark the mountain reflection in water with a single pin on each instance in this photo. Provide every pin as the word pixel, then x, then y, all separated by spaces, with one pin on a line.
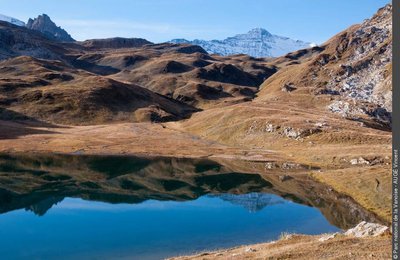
pixel 37 182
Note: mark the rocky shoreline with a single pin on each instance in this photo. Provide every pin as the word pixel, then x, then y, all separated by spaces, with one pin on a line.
pixel 365 241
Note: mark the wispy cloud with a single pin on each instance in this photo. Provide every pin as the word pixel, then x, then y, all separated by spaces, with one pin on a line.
pixel 87 29
pixel 102 24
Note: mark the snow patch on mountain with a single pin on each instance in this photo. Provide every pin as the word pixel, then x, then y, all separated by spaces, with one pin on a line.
pixel 11 20
pixel 257 43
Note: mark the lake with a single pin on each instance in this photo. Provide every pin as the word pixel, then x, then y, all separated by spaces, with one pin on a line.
pixel 110 207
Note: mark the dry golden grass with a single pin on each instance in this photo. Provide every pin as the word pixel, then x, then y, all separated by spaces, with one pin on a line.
pixel 306 247
pixel 125 138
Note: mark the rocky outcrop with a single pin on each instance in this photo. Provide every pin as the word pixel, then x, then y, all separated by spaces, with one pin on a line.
pixel 296 133
pixel 365 229
pixel 45 25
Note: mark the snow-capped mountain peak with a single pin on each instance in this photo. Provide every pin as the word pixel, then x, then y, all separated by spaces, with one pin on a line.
pixel 257 33
pixel 257 42
pixel 11 20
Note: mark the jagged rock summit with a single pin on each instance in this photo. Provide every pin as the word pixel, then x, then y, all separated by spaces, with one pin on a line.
pixel 45 25
pixel 257 42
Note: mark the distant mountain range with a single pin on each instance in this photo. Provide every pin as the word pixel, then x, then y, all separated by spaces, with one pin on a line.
pixel 257 43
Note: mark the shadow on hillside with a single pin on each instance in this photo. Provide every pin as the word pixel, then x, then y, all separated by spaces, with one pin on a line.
pixel 374 124
pixel 94 68
pixel 14 125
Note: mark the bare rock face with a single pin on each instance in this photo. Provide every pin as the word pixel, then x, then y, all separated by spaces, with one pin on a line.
pixel 364 74
pixel 45 25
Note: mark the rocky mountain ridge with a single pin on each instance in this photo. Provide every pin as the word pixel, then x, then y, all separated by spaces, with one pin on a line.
pixel 257 42
pixel 45 25
pixel 367 69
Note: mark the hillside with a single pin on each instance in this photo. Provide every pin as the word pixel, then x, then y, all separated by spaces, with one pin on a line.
pixel 51 91
pixel 162 81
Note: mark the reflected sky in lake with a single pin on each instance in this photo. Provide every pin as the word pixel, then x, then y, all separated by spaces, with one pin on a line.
pixel 79 229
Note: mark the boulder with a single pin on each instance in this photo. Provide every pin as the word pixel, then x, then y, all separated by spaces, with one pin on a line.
pixel 365 229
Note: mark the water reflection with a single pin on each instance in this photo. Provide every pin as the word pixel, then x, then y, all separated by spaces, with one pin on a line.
pixel 37 182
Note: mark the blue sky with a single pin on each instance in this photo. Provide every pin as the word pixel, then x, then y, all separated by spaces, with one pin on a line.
pixel 162 20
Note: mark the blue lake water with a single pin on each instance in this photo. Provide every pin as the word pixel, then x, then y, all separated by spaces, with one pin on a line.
pixel 76 207
pixel 78 229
